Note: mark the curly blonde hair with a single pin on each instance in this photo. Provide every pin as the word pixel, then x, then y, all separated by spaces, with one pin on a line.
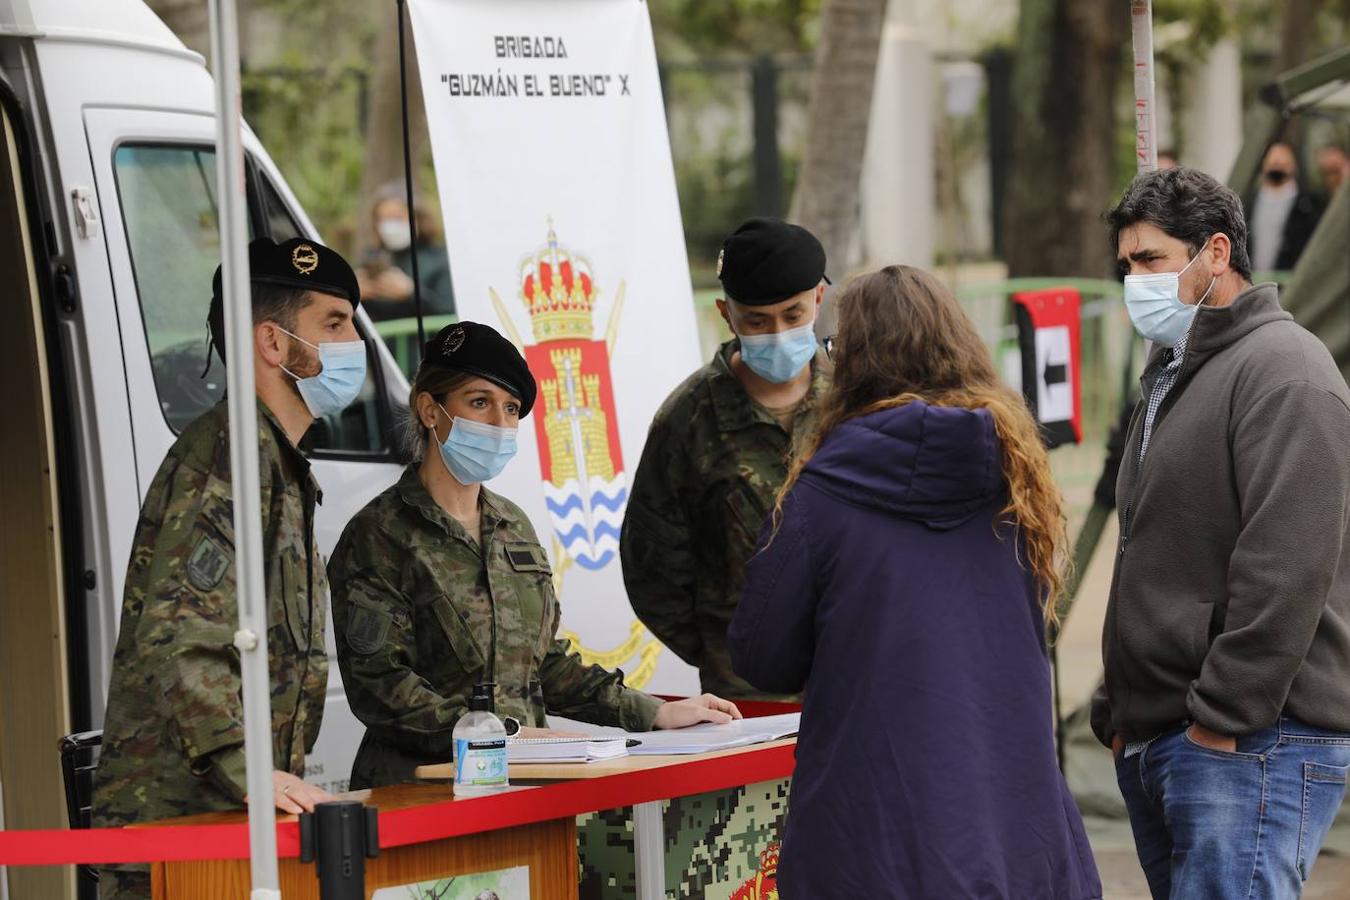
pixel 903 337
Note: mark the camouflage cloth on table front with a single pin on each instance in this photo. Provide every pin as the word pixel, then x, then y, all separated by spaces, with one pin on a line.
pixel 173 736
pixel 713 842
pixel 713 461
pixel 413 599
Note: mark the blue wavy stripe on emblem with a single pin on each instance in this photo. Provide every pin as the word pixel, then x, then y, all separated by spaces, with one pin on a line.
pixel 578 533
pixel 593 564
pixel 613 504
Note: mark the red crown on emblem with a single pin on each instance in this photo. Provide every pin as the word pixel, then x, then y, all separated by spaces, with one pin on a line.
pixel 559 291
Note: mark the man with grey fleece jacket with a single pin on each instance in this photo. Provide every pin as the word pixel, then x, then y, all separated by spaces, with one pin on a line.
pixel 1227 636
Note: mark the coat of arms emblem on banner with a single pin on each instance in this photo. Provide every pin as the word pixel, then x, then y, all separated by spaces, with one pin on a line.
pixel 580 458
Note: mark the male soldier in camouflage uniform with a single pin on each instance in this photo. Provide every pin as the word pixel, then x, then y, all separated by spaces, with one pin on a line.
pixel 719 447
pixel 173 741
pixel 440 585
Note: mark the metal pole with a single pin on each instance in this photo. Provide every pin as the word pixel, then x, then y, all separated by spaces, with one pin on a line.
pixel 649 851
pixel 251 638
pixel 1145 108
pixel 408 182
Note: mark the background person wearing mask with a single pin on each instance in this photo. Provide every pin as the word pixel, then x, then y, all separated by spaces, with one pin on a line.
pixel 905 580
pixel 386 273
pixel 719 447
pixel 173 735
pixel 440 585
pixel 1282 216
pixel 1227 636
pixel 1333 164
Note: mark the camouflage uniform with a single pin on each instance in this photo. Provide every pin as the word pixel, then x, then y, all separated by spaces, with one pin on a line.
pixel 413 597
pixel 713 462
pixel 173 739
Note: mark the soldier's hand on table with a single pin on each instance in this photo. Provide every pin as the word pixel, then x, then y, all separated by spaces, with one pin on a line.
pixel 705 708
pixel 526 732
pixel 293 795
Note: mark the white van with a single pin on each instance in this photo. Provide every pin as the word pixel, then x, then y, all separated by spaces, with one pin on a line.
pixel 108 239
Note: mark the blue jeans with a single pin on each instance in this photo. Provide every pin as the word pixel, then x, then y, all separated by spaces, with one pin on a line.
pixel 1211 825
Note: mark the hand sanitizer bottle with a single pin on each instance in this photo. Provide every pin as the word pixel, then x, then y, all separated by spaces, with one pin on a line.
pixel 480 747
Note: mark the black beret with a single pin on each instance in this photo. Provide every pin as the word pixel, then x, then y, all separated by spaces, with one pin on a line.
pixel 766 261
pixel 297 263
pixel 480 350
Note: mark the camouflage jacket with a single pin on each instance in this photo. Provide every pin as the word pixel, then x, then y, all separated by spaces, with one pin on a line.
pixel 713 461
pixel 413 601
pixel 173 736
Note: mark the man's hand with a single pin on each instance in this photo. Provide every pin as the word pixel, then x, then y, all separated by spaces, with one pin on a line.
pixel 294 796
pixel 706 708
pixel 1211 739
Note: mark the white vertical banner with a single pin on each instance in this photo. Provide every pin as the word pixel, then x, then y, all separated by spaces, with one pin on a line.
pixel 563 227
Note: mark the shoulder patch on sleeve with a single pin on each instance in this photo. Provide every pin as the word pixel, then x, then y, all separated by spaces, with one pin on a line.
pixel 207 564
pixel 368 627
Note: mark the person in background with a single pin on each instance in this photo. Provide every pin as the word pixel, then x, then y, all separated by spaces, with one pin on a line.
pixel 386 272
pixel 1167 158
pixel 173 735
pixel 1283 215
pixel 906 579
pixel 719 447
pixel 439 584
pixel 1227 636
pixel 1333 163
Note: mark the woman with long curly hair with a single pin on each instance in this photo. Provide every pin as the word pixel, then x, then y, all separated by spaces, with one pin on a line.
pixel 906 581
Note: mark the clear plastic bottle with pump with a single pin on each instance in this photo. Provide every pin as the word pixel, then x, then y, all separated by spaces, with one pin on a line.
pixel 480 747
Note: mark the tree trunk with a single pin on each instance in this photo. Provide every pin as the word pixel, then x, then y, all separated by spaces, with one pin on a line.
pixel 1069 64
pixel 1296 33
pixel 826 197
pixel 384 127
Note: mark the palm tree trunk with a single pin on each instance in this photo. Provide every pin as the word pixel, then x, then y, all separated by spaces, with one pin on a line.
pixel 1069 66
pixel 826 197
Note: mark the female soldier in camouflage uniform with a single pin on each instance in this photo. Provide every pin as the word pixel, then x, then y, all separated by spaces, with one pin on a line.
pixel 439 584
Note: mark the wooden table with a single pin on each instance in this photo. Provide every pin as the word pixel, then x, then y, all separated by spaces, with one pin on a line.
pixel 648 823
pixel 548 848
pixel 427 833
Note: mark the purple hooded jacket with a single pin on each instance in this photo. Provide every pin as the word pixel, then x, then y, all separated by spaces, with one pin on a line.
pixel 926 759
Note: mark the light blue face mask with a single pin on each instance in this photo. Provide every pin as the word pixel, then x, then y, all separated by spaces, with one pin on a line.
pixel 474 452
pixel 779 357
pixel 339 380
pixel 1155 307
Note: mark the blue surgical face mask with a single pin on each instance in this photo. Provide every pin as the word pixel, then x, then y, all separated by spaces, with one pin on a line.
pixel 779 357
pixel 339 380
pixel 474 452
pixel 1155 307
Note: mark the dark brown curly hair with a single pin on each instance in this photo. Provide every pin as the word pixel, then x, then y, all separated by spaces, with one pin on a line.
pixel 903 337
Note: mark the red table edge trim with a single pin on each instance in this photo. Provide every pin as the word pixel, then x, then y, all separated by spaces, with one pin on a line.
pixel 413 825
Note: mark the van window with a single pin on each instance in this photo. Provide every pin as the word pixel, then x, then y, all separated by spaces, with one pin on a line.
pixel 279 220
pixel 167 194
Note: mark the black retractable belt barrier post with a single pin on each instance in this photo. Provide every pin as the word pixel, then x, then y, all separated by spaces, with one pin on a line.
pixel 338 837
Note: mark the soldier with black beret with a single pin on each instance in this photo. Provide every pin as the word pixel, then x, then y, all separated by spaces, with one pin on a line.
pixel 440 584
pixel 719 447
pixel 173 740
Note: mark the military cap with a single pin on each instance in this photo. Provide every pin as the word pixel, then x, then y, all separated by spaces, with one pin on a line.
pixel 295 263
pixel 480 350
pixel 766 261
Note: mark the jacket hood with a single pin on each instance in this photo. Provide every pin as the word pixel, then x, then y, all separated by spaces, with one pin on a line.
pixel 933 464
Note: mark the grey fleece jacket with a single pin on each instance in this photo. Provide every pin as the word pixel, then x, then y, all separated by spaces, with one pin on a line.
pixel 1230 603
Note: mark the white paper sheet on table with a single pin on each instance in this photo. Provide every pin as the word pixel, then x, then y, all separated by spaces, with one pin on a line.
pixel 697 738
